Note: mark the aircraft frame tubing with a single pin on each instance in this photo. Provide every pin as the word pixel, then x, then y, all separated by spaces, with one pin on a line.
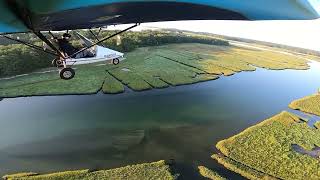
pixel 49 43
pixel 96 35
pixel 59 53
pixel 104 39
pixel 30 45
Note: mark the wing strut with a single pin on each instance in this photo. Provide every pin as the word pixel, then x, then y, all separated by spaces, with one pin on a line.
pixel 102 40
pixel 96 36
pixel 49 43
pixel 31 45
pixel 56 51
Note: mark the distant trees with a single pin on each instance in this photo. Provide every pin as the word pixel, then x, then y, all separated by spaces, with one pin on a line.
pixel 132 40
pixel 16 58
pixel 19 59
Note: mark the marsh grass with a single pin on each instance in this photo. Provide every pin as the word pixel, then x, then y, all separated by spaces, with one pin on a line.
pixel 240 168
pixel 309 104
pixel 153 67
pixel 267 148
pixel 152 171
pixel 317 125
pixel 88 80
pixel 131 79
pixel 19 175
pixel 208 173
pixel 111 85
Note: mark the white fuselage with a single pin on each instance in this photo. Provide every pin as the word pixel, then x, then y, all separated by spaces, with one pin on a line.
pixel 101 54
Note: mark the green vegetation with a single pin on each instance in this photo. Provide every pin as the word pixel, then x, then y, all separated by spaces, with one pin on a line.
pixel 205 172
pixel 317 124
pixel 272 60
pixel 156 170
pixel 89 80
pixel 19 59
pixel 20 175
pixel 132 40
pixel 112 86
pixel 267 148
pixel 177 64
pixel 309 104
pixel 240 168
pixel 152 67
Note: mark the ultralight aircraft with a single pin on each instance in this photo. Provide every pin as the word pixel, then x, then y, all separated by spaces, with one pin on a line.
pixel 43 17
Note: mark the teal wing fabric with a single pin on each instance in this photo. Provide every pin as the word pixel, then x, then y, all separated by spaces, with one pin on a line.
pixel 8 21
pixel 76 14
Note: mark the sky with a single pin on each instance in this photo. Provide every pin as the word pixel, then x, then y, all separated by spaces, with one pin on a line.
pixel 305 34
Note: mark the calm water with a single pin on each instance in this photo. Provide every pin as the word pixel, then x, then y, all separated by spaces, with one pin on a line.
pixel 46 134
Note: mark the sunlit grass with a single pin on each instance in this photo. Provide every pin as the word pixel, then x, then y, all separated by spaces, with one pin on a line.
pixel 19 175
pixel 272 60
pixel 317 124
pixel 88 80
pixel 207 173
pixel 153 67
pixel 267 148
pixel 131 79
pixel 241 169
pixel 309 104
pixel 155 170
pixel 112 85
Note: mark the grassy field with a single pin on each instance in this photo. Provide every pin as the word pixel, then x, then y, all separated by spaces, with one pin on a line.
pixel 156 170
pixel 267 148
pixel 111 85
pixel 88 81
pixel 207 173
pixel 317 124
pixel 153 67
pixel 309 104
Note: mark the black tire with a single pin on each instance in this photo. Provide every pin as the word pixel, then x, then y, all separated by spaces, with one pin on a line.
pixel 67 73
pixel 115 61
pixel 57 63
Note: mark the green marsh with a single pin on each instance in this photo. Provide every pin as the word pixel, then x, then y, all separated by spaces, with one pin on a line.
pixel 152 68
pixel 155 170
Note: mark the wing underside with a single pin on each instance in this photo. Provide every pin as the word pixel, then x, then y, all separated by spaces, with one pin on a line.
pixel 23 15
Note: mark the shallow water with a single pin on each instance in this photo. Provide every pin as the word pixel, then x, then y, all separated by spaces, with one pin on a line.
pixel 47 134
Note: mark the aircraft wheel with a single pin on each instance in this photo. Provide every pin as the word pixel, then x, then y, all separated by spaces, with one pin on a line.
pixel 115 61
pixel 67 73
pixel 57 63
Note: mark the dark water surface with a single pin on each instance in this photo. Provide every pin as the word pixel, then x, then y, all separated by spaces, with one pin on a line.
pixel 48 134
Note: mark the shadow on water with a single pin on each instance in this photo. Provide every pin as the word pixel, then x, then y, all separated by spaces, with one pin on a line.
pixel 48 134
pixel 110 148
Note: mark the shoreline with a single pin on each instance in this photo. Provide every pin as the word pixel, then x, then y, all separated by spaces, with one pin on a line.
pixel 163 168
pixel 127 89
pixel 284 122
pixel 154 68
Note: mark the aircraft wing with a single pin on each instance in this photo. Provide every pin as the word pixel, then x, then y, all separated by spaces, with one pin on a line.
pixel 55 15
